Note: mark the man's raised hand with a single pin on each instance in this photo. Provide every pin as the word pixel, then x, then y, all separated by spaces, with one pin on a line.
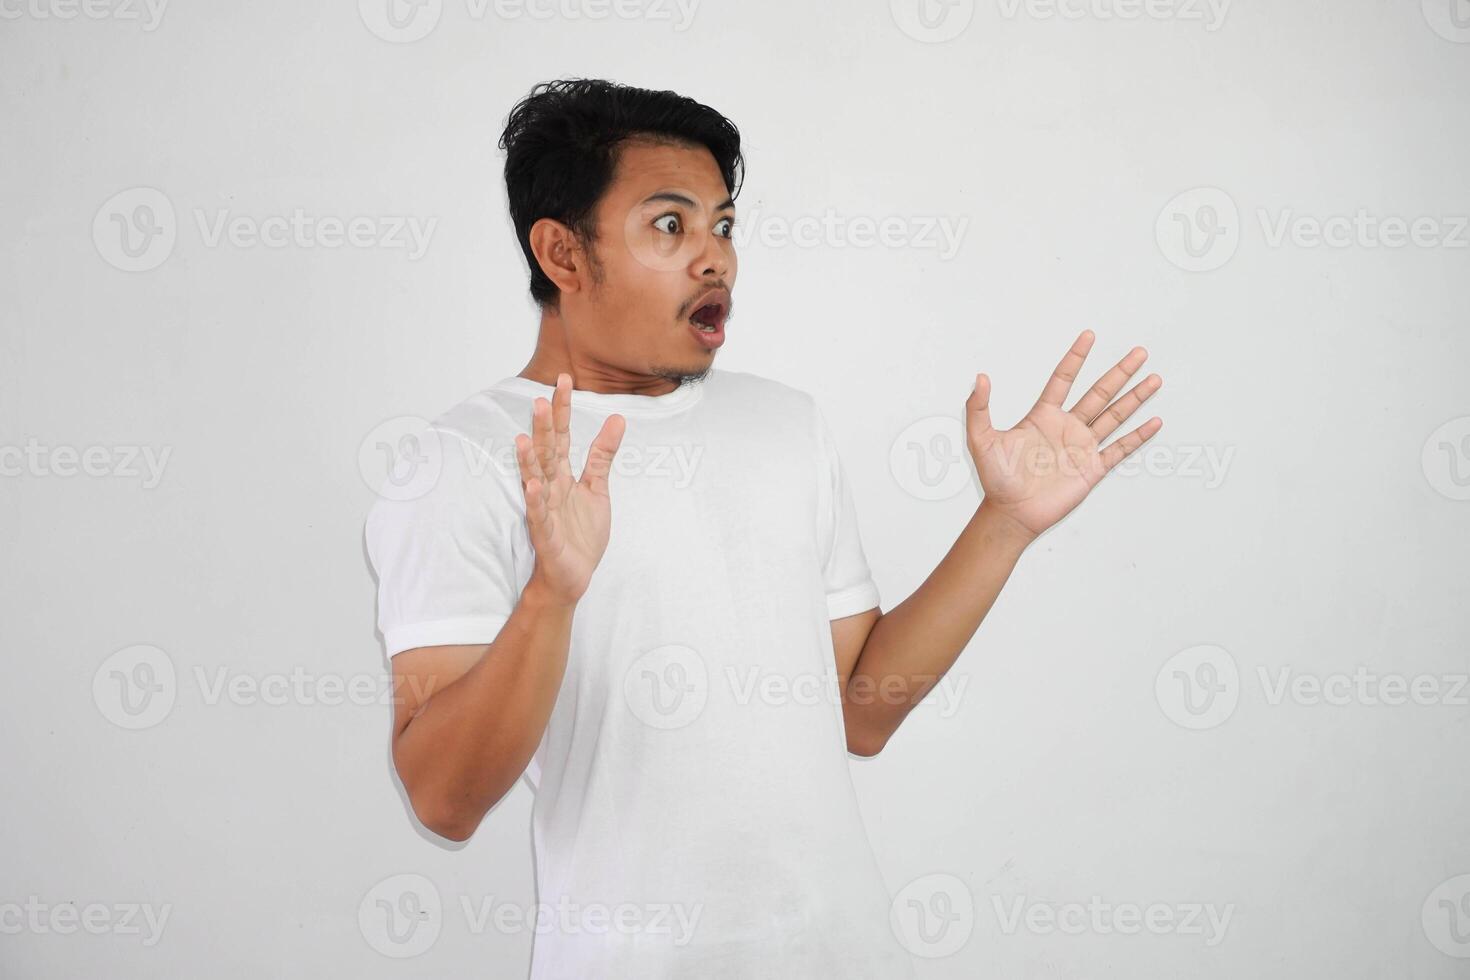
pixel 1037 472
pixel 569 520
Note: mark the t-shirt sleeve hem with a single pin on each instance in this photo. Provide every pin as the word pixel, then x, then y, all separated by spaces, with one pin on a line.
pixel 443 632
pixel 852 600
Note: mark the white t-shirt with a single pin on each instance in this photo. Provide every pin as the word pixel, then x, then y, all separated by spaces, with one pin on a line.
pixel 694 810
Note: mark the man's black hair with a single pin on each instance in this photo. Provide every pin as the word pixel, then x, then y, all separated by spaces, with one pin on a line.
pixel 562 141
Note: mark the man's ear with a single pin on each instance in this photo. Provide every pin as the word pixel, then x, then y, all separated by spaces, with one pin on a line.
pixel 560 255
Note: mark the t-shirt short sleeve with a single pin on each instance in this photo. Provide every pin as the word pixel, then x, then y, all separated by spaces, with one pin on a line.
pixel 849 582
pixel 445 557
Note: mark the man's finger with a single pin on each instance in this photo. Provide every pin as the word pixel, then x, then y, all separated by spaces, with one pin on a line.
pixel 600 454
pixel 1117 413
pixel 1091 405
pixel 561 422
pixel 1115 454
pixel 977 409
pixel 532 485
pixel 543 439
pixel 1067 370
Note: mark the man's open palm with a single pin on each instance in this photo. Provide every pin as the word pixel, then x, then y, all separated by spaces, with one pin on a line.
pixel 569 520
pixel 1040 470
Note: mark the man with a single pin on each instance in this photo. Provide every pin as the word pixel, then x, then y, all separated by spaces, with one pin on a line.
pixel 679 644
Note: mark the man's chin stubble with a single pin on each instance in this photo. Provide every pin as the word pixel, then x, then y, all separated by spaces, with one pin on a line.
pixel 682 376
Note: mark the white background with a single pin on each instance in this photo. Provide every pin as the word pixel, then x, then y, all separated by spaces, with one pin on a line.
pixel 1303 511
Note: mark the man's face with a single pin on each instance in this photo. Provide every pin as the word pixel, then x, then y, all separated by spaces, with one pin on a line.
pixel 664 264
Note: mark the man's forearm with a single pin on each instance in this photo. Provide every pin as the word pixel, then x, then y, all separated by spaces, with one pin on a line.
pixel 913 644
pixel 471 741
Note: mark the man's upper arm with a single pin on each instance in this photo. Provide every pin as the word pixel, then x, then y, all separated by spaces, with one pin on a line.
pixel 424 671
pixel 849 634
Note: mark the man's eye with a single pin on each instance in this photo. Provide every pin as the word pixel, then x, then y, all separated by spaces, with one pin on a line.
pixel 668 223
pixel 725 227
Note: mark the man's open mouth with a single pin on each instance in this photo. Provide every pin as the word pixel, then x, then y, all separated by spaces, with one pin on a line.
pixel 710 314
pixel 708 317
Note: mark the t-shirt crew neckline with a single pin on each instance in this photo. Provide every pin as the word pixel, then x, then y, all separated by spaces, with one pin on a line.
pixel 622 403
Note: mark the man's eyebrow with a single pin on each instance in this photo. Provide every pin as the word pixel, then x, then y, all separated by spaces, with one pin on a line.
pixel 726 204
